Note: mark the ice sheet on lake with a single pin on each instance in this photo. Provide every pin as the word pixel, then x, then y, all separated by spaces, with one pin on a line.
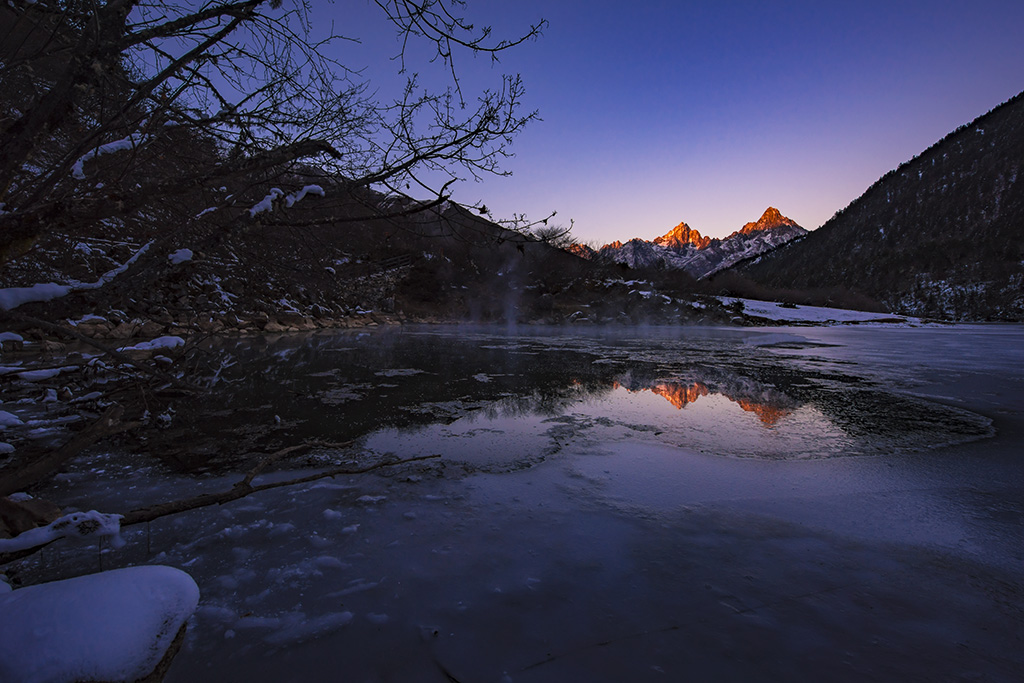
pixel 573 533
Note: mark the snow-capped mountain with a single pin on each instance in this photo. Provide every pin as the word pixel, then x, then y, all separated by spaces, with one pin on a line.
pixel 686 249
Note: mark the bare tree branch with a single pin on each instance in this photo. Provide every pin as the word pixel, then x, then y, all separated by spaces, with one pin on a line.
pixel 144 100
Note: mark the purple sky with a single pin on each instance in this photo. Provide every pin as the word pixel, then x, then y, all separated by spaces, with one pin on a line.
pixel 661 112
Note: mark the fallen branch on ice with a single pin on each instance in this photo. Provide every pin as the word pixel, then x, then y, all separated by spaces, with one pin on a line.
pixel 244 488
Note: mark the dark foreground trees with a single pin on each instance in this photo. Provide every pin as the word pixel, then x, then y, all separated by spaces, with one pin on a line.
pixel 117 108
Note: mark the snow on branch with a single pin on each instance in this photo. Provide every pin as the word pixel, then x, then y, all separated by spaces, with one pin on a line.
pixel 13 297
pixel 294 197
pixel 131 142
pixel 267 203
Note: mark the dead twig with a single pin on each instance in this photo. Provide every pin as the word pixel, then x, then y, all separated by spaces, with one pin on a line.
pixel 7 558
pixel 266 461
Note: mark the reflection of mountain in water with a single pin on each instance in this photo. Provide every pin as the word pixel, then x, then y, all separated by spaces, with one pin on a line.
pixel 769 414
pixel 768 404
pixel 679 395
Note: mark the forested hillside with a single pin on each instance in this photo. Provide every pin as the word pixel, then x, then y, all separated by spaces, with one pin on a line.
pixel 941 236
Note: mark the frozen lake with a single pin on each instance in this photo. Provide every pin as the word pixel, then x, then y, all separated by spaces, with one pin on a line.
pixel 839 503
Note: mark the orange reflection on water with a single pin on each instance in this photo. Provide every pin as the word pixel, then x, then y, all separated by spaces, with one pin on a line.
pixel 680 395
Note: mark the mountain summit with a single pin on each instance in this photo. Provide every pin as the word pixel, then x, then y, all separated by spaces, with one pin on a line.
pixel 769 220
pixel 682 236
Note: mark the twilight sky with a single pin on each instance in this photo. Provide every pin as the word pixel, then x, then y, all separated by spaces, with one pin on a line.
pixel 708 112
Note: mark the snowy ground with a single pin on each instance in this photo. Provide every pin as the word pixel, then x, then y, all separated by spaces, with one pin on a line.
pixel 760 504
pixel 777 312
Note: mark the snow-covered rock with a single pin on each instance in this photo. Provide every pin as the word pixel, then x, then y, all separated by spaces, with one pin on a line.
pixel 170 342
pixel 81 525
pixel 9 419
pixel 39 375
pixel 180 256
pixel 111 626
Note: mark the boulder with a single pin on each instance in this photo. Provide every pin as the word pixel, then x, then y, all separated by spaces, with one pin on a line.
pixel 123 331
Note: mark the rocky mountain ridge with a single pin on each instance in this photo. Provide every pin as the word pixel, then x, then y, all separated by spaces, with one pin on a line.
pixel 685 249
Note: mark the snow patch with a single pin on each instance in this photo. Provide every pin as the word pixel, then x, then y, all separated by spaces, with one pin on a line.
pixel 180 256
pixel 9 420
pixel 158 343
pixel 808 314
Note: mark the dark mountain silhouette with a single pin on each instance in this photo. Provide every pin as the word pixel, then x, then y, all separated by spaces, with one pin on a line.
pixel 940 236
